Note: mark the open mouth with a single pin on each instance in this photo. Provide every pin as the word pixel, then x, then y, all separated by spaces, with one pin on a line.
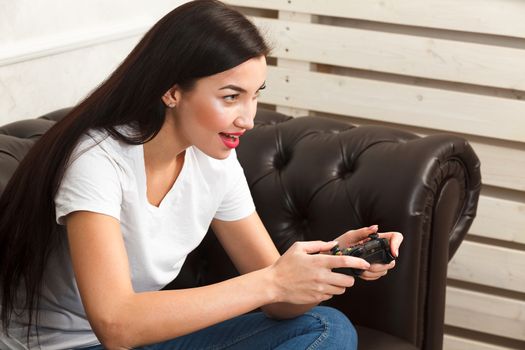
pixel 230 140
pixel 232 137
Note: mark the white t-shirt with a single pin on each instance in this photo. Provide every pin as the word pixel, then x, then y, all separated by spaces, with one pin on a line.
pixel 108 176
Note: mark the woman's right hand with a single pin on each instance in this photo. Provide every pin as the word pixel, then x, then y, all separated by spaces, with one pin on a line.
pixel 301 276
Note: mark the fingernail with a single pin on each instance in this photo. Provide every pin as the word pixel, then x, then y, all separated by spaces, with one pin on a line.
pixel 373 227
pixel 397 253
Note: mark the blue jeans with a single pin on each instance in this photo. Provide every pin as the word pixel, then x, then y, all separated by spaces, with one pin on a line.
pixel 320 328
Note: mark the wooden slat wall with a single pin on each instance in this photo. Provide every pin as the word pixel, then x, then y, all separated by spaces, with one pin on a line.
pixel 427 67
pixel 503 17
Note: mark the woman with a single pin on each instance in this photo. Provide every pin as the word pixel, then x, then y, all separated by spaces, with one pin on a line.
pixel 102 212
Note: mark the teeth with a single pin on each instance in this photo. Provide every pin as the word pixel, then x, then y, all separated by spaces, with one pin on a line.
pixel 232 137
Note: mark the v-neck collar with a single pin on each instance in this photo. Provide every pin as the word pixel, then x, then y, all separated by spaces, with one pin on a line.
pixel 177 184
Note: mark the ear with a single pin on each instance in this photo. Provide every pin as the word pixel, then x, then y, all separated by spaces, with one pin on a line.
pixel 171 97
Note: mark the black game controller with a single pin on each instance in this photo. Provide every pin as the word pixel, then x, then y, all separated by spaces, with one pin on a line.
pixel 376 250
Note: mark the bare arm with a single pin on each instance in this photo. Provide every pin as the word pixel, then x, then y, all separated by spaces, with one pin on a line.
pixel 122 318
pixel 250 247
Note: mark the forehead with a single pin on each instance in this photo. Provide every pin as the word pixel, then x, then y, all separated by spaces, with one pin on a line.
pixel 249 75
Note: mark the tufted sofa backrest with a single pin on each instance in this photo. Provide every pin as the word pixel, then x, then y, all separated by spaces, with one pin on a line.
pixel 18 137
pixel 315 178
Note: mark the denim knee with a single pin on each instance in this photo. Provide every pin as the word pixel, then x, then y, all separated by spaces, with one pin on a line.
pixel 339 332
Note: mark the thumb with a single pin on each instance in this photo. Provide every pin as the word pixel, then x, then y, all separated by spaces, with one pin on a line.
pixel 313 247
pixel 363 233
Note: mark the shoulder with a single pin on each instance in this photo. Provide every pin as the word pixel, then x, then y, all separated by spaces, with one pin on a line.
pixel 99 144
pixel 99 159
pixel 95 177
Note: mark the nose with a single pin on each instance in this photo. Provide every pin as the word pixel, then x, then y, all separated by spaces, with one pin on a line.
pixel 245 123
pixel 246 116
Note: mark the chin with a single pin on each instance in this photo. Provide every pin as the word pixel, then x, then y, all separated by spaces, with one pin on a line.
pixel 222 156
pixel 217 154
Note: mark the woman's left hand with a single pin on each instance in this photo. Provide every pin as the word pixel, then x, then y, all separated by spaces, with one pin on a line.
pixel 353 237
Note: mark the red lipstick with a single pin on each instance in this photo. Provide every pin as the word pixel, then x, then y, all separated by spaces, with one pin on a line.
pixel 230 139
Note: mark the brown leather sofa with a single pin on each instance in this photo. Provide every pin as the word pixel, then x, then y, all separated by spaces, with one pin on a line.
pixel 315 178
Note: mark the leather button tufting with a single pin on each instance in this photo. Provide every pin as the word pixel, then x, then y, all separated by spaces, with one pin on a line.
pixel 280 161
pixel 344 171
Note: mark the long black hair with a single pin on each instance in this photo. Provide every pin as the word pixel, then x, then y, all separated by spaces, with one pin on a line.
pixel 195 40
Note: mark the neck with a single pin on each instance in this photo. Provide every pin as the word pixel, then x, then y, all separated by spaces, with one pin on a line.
pixel 166 148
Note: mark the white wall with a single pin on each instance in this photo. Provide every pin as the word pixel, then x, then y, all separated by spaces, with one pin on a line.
pixel 53 52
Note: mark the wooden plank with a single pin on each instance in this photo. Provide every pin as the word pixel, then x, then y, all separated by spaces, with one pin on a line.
pixel 417 56
pixel 500 219
pixel 502 165
pixel 451 342
pixel 489 265
pixel 296 65
pixel 485 313
pixel 293 64
pixel 397 103
pixel 497 17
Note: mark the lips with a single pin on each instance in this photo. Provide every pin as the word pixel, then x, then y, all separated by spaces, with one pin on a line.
pixel 230 140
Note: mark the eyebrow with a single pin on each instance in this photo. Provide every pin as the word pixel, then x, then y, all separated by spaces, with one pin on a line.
pixel 240 89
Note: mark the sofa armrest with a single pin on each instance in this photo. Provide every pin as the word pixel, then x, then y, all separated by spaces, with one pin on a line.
pixel 427 188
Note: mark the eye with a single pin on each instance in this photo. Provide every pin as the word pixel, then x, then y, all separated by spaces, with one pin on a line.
pixel 259 91
pixel 231 98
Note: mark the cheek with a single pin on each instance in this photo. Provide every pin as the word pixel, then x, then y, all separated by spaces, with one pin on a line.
pixel 213 115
